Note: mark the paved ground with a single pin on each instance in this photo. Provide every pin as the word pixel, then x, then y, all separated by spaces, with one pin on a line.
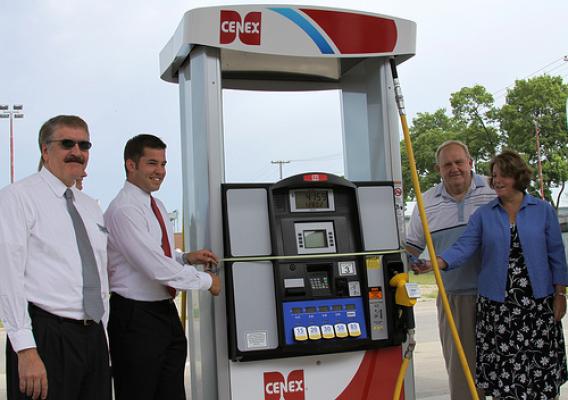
pixel 430 374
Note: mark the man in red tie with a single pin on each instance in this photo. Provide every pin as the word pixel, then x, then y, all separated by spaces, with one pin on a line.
pixel 147 344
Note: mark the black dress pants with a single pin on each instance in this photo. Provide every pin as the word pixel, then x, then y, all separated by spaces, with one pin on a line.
pixel 148 349
pixel 75 357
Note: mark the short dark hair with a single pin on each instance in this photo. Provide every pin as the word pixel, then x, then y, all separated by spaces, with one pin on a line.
pixel 135 146
pixel 512 165
pixel 50 126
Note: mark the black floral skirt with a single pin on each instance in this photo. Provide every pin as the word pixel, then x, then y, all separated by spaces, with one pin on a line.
pixel 520 347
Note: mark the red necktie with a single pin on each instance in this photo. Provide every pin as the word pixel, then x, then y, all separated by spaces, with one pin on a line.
pixel 165 241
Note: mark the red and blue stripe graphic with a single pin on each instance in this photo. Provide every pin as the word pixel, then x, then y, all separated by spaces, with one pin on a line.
pixel 350 33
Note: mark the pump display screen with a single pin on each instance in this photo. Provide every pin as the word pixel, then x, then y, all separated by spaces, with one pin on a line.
pixel 311 200
pixel 315 239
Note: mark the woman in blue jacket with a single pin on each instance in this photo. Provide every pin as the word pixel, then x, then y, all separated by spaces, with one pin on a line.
pixel 522 287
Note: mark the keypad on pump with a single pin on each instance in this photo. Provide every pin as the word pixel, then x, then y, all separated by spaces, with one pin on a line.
pixel 327 331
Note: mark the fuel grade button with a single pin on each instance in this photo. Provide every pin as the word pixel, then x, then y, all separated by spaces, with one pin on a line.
pixel 327 331
pixel 341 330
pixel 300 334
pixel 354 329
pixel 314 332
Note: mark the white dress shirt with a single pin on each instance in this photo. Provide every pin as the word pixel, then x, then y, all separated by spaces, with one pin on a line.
pixel 39 257
pixel 138 268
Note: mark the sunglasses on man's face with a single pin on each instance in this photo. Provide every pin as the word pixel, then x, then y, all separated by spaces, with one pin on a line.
pixel 68 144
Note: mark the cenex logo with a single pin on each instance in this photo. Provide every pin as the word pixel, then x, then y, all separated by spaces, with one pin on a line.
pixel 248 30
pixel 278 388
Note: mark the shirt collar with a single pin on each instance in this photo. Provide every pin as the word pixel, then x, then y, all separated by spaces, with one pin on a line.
pixel 137 193
pixel 55 184
pixel 527 200
pixel 477 181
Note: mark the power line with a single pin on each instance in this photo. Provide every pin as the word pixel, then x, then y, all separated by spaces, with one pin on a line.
pixel 320 158
pixel 563 58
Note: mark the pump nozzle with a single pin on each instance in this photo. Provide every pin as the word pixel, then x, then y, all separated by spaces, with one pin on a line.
pixel 406 292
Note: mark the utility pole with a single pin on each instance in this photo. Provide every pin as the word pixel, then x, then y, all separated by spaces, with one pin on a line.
pixel 15 112
pixel 537 133
pixel 280 162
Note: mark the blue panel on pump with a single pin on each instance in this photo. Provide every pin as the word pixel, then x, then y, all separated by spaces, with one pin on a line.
pixel 324 320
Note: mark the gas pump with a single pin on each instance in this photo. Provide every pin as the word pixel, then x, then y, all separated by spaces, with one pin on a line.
pixel 333 248
pixel 295 251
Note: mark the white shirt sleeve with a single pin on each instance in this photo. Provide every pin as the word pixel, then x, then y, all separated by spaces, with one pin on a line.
pixel 129 234
pixel 415 235
pixel 14 233
pixel 179 255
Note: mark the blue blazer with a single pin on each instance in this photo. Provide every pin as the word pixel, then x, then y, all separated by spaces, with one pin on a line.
pixel 541 239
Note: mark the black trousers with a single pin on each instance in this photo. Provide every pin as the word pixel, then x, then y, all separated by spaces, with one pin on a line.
pixel 148 349
pixel 75 357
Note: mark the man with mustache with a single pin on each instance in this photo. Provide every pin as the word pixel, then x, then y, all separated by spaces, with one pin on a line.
pixel 448 207
pixel 147 342
pixel 54 285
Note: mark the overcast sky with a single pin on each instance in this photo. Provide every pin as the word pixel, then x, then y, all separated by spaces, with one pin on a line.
pixel 100 60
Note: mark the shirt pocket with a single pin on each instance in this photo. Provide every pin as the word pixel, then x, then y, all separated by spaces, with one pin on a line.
pixel 98 235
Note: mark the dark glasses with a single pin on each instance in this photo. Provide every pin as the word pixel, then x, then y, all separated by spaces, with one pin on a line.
pixel 68 144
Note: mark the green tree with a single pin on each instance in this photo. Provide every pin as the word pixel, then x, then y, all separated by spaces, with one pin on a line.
pixel 476 119
pixel 428 131
pixel 539 102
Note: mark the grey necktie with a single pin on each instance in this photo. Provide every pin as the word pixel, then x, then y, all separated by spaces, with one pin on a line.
pixel 92 301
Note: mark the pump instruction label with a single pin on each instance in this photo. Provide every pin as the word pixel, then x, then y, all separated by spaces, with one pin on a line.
pixel 257 340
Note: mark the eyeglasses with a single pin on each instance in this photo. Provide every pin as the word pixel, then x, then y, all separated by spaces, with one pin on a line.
pixel 68 144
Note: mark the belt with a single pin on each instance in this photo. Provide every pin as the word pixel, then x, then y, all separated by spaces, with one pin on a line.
pixel 157 304
pixel 39 311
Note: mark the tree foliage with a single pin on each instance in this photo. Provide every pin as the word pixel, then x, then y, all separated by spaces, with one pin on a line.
pixel 428 131
pixel 486 129
pixel 539 103
pixel 477 118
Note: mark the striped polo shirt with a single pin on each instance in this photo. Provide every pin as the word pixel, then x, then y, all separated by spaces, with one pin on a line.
pixel 447 219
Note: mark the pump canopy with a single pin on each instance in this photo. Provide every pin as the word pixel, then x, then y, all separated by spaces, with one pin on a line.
pixel 284 40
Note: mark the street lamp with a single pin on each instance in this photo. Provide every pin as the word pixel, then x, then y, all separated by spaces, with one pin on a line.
pixel 15 112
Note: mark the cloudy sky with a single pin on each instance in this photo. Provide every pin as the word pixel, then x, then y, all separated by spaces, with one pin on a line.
pixel 99 60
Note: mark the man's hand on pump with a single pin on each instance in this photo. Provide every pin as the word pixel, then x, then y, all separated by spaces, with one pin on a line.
pixel 215 288
pixel 209 260
pixel 203 256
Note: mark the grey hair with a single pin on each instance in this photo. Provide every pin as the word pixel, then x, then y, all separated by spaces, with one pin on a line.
pixel 449 143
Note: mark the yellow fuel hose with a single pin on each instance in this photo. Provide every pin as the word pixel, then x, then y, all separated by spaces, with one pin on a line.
pixel 428 237
pixel 400 378
pixel 404 366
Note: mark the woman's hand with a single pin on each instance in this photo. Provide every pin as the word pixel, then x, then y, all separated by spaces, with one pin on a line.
pixel 559 306
pixel 423 266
